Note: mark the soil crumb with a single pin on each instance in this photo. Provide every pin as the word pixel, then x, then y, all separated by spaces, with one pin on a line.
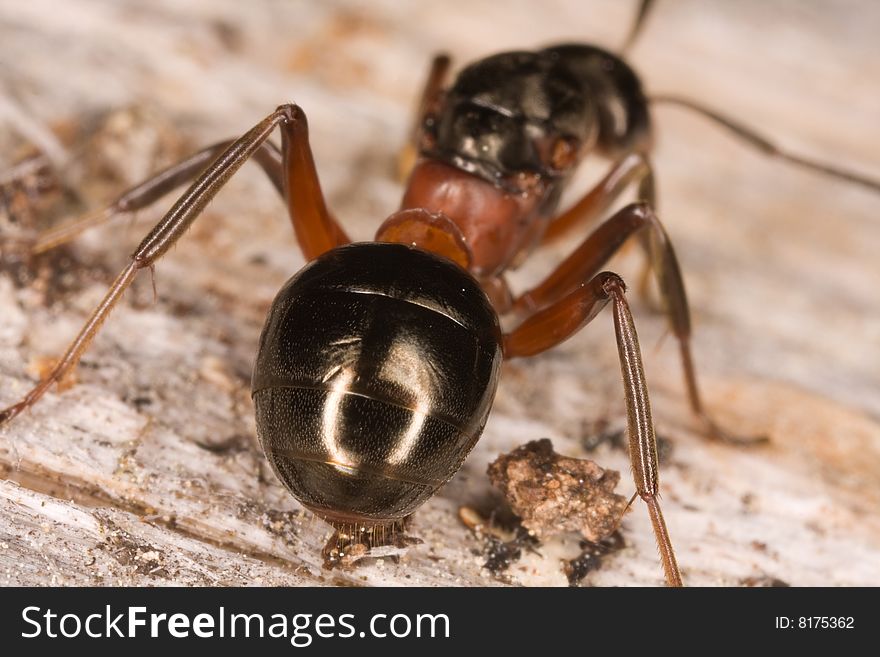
pixel 554 494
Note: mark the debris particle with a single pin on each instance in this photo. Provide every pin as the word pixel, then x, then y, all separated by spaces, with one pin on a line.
pixel 142 558
pixel 591 557
pixel 474 520
pixel 501 555
pixel 471 519
pixel 41 367
pixel 554 494
pixel 764 581
pixel 281 524
pixel 749 503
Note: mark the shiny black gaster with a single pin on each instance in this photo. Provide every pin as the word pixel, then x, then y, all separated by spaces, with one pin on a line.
pixel 376 371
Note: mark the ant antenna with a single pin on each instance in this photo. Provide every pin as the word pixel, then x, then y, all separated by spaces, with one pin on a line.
pixel 758 141
pixel 637 25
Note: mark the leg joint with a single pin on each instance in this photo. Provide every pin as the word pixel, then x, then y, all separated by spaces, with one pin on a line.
pixel 649 496
pixel 290 113
pixel 642 212
pixel 611 284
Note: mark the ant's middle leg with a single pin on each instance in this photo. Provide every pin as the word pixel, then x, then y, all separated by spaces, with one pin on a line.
pixel 149 191
pixel 636 219
pixel 316 230
pixel 632 169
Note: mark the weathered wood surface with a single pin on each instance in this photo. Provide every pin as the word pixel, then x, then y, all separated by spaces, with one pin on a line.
pixel 148 470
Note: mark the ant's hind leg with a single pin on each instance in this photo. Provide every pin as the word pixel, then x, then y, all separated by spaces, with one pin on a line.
pixel 568 315
pixel 639 220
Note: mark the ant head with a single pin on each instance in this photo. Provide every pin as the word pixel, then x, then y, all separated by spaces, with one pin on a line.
pixel 376 371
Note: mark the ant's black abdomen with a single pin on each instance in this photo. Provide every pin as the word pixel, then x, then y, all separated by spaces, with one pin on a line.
pixel 376 371
pixel 531 111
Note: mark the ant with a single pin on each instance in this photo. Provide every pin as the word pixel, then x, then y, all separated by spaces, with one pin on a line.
pixel 379 361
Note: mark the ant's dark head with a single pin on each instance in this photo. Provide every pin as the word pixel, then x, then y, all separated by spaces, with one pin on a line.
pixel 376 371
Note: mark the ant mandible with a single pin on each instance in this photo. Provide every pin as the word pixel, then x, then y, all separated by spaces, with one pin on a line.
pixel 379 361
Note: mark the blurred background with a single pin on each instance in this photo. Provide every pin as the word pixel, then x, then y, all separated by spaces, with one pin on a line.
pixel 781 267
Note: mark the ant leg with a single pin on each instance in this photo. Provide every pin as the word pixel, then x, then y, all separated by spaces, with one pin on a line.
pixel 291 171
pixel 638 24
pixel 632 168
pixel 316 230
pixel 427 101
pixel 636 219
pixel 767 147
pixel 147 192
pixel 608 238
pixel 296 157
pixel 555 323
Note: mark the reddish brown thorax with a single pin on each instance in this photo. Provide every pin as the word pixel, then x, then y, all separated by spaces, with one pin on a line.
pixel 481 226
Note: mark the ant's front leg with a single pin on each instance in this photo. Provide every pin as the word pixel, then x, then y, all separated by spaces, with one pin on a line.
pixel 636 219
pixel 314 227
pixel 558 321
pixel 428 100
